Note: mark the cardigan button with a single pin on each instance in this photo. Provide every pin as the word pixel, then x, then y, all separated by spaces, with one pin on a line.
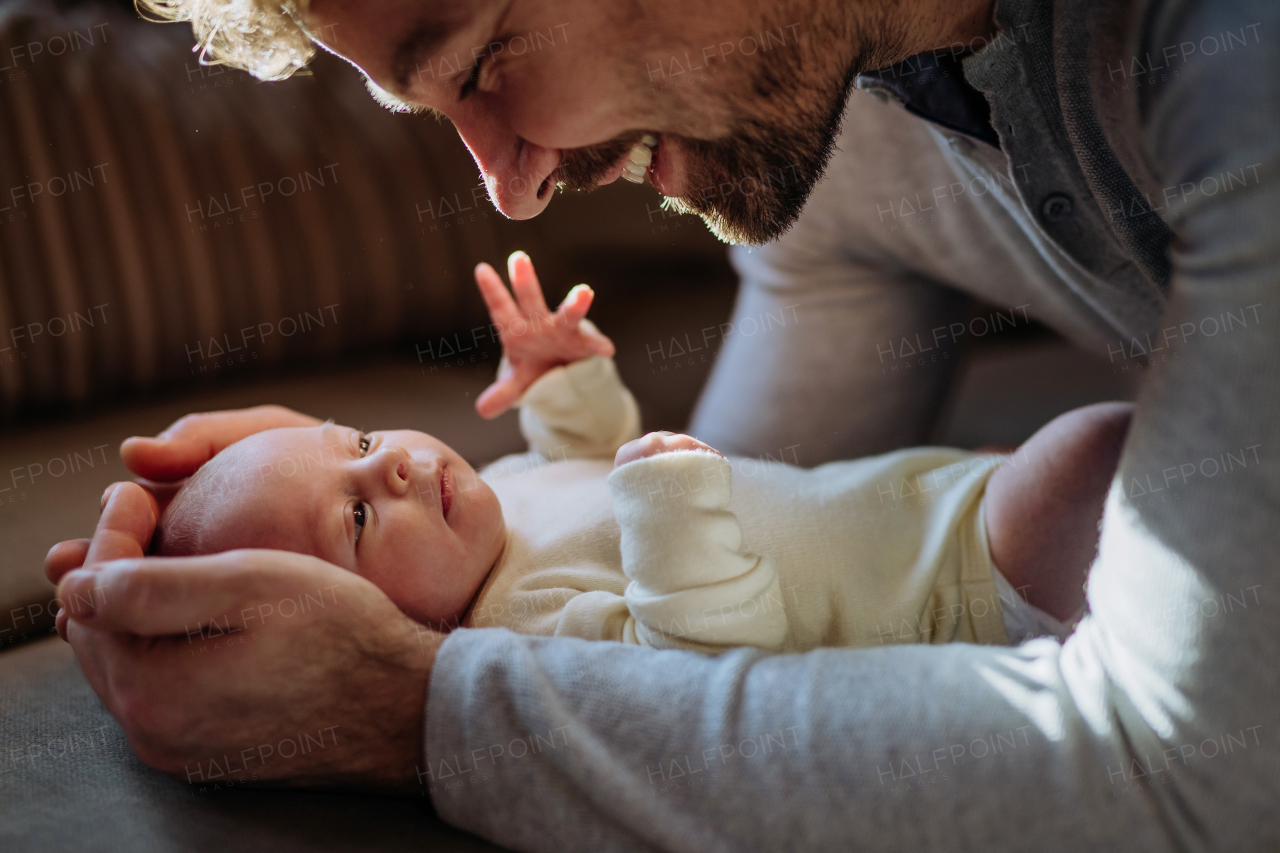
pixel 1056 207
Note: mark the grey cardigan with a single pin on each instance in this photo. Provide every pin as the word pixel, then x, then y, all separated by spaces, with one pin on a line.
pixel 1146 140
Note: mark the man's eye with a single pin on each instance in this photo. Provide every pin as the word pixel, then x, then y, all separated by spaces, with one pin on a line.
pixel 361 516
pixel 365 442
pixel 470 86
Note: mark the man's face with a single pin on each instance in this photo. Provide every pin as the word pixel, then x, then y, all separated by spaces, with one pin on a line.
pixel 745 97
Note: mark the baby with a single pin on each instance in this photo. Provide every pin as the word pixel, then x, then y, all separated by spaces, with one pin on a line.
pixel 661 540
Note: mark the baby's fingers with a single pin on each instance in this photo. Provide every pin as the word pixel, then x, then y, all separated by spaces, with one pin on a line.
pixel 572 315
pixel 495 294
pixel 576 305
pixel 592 338
pixel 524 282
pixel 597 340
pixel 655 443
pixel 502 394
pixel 499 397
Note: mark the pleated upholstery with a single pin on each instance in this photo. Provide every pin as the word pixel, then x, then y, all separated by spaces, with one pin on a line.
pixel 176 206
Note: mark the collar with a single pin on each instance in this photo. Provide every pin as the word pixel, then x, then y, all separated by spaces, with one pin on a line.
pixel 932 85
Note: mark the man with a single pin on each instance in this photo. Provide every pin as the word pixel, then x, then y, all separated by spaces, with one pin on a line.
pixel 1096 129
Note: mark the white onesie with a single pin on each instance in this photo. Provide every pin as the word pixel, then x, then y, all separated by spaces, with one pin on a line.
pixel 691 550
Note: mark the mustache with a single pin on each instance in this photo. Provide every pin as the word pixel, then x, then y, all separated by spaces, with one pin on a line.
pixel 584 168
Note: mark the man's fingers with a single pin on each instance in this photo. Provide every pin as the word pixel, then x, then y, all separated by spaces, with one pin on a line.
pixel 157 597
pixel 64 557
pixel 128 521
pixel 319 648
pixel 194 439
pixel 187 443
pixel 525 285
pixel 165 459
pixel 495 294
pixel 161 493
pixel 149 489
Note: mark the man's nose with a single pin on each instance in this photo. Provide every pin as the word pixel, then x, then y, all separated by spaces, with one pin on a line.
pixel 513 168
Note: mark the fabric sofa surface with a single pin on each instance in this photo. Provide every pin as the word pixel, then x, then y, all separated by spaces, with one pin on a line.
pixel 161 220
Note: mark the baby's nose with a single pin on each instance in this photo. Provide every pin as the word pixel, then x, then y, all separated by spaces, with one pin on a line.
pixel 397 468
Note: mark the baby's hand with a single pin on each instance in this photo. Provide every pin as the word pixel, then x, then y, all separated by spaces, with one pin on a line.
pixel 533 339
pixel 658 442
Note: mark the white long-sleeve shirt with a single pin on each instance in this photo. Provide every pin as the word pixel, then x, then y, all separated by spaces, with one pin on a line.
pixel 696 551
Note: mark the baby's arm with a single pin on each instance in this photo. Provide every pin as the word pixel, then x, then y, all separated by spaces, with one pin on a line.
pixel 579 411
pixel 556 367
pixel 692 586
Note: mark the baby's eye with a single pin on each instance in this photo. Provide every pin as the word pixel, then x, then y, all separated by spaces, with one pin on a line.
pixel 361 516
pixel 365 442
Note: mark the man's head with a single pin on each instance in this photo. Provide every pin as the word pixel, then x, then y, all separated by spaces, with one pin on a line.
pixel 744 96
pixel 399 508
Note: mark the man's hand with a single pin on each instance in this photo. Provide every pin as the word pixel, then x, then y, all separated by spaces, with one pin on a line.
pixel 164 461
pixel 279 667
pixel 533 339
pixel 193 440
pixel 658 442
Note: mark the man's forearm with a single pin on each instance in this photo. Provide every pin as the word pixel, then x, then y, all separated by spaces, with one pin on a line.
pixel 555 744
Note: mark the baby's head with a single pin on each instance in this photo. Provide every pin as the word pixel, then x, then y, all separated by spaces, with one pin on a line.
pixel 399 508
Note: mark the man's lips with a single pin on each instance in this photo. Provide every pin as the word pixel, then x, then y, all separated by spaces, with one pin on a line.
pixel 662 169
pixel 616 172
pixel 621 166
pixel 663 172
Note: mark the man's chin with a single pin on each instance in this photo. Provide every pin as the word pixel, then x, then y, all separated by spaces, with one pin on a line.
pixel 734 228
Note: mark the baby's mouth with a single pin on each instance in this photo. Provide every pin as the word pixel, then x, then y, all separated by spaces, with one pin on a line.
pixel 446 491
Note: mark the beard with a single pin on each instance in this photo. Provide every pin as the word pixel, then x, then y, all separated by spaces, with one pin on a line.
pixel 582 169
pixel 751 185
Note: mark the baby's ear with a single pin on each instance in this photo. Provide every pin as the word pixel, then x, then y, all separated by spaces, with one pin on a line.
pixel 161 493
pixel 177 532
pixel 173 538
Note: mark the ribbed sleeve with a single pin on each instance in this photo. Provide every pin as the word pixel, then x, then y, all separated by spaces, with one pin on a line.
pixel 579 411
pixel 691 584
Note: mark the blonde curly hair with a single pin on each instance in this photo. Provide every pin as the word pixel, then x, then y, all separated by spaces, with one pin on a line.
pixel 267 38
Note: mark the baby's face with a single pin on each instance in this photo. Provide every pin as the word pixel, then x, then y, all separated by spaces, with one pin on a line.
pixel 400 508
